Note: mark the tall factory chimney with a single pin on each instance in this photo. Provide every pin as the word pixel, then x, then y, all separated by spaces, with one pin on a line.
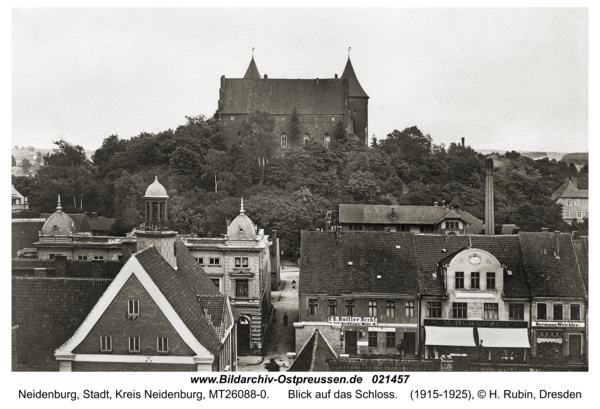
pixel 462 140
pixel 489 197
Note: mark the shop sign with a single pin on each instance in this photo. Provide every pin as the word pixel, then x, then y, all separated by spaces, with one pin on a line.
pixel 475 323
pixel 558 324
pixel 334 320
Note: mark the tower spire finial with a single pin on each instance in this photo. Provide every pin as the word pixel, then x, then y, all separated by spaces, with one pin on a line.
pixel 349 52
pixel 59 208
pixel 242 207
pixel 252 52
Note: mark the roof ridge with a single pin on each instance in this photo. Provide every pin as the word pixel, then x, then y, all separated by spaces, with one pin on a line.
pixel 28 220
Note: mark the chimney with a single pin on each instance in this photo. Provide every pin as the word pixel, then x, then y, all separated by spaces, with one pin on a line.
pixel 435 204
pixel 574 181
pixel 94 215
pixel 443 203
pixel 266 76
pixel 336 77
pixel 489 197
pixel 128 247
pixel 557 244
pixel 317 80
pixel 462 141
pixel 274 239
pixel 544 230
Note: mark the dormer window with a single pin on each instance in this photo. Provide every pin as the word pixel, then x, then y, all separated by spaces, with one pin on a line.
pixel 133 309
pixel 452 225
pixel 283 140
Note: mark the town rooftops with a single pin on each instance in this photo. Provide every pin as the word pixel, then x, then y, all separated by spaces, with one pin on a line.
pixel 551 265
pixel 101 223
pixel 569 190
pixel 361 262
pixel 25 232
pixel 382 214
pixel 314 355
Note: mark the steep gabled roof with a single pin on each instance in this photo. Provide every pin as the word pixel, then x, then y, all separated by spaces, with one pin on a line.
pixel 326 259
pixel 430 250
pixel 25 232
pixel 48 311
pixel 549 276
pixel 569 189
pixel 252 71
pixel 314 355
pixel 507 251
pixel 355 89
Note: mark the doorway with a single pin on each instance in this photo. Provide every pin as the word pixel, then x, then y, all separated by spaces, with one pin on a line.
pixel 351 347
pixel 574 346
pixel 243 338
pixel 409 343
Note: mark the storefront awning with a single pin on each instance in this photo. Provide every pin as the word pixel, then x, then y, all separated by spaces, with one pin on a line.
pixel 504 337
pixel 450 336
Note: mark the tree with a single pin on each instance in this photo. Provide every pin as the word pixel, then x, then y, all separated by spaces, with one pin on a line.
pixel 214 163
pixel 31 149
pixel 363 185
pixel 338 133
pixel 25 165
pixel 258 138
pixel 185 161
pixel 294 128
pixel 14 161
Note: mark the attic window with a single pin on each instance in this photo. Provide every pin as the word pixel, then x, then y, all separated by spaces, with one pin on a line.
pixel 349 263
pixel 378 276
pixel 333 118
pixel 133 309
pixel 106 344
pixel 443 250
pixel 241 230
pixel 232 118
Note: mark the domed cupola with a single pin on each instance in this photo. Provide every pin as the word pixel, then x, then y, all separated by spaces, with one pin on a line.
pixel 59 224
pixel 155 199
pixel 242 227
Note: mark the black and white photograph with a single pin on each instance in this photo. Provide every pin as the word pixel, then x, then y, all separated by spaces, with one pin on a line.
pixel 378 205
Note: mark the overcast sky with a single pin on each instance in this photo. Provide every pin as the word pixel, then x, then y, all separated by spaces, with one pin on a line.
pixel 501 78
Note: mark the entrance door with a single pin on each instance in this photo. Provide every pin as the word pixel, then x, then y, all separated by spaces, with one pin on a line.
pixel 574 346
pixel 350 337
pixel 243 338
pixel 409 342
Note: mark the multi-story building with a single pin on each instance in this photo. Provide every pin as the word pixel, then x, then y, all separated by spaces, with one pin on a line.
pixel 320 103
pixel 239 265
pixel 413 219
pixel 575 201
pixel 360 291
pixel 559 297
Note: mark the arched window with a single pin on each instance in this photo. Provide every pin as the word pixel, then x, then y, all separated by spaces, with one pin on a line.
pixel 283 140
pixel 306 136
pixel 327 140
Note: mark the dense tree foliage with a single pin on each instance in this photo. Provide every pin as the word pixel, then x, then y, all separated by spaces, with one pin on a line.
pixel 290 189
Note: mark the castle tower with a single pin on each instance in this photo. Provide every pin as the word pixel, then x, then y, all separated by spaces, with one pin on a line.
pixel 358 106
pixel 156 231
pixel 252 71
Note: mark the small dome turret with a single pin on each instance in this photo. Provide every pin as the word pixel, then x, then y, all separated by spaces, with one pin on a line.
pixel 59 223
pixel 156 190
pixel 242 227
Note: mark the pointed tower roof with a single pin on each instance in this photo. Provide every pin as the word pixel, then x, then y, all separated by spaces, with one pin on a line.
pixel 355 88
pixel 252 71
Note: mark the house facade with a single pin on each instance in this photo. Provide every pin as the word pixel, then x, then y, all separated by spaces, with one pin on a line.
pixel 413 219
pixel 360 291
pixel 239 266
pixel 575 201
pixel 321 104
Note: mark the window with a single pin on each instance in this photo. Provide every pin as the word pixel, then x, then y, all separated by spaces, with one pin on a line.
pixel 567 214
pixel 162 345
pixel 577 202
pixel 216 282
pixel 490 311
pixel 133 308
pixel 569 202
pixel 350 308
pixel 491 281
pixel 134 344
pixel 232 118
pixel 459 310
pixel 575 312
pixel 459 280
pixel 106 344
pixel 241 262
pixel 216 261
pixel 452 225
pixel 516 311
pixel 372 308
pixel 327 141
pixel 579 214
pixel 81 257
pixel 434 309
pixel 474 280
pixel 587 214
pixel 200 260
pixel 99 258
pixel 120 257
pixel 312 306
pixel 541 311
pixel 390 309
pixel 372 339
pixel 283 140
pixel 241 288
pixel 355 227
pixel 557 311
pixel 332 307
pixel 390 339
pixel 409 309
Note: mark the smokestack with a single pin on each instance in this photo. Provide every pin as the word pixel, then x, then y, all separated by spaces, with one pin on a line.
pixel 489 197
pixel 462 140
pixel 266 76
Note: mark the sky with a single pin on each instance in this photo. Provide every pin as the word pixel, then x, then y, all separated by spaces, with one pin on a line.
pixel 504 79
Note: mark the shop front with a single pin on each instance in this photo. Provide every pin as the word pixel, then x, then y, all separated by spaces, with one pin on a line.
pixel 555 342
